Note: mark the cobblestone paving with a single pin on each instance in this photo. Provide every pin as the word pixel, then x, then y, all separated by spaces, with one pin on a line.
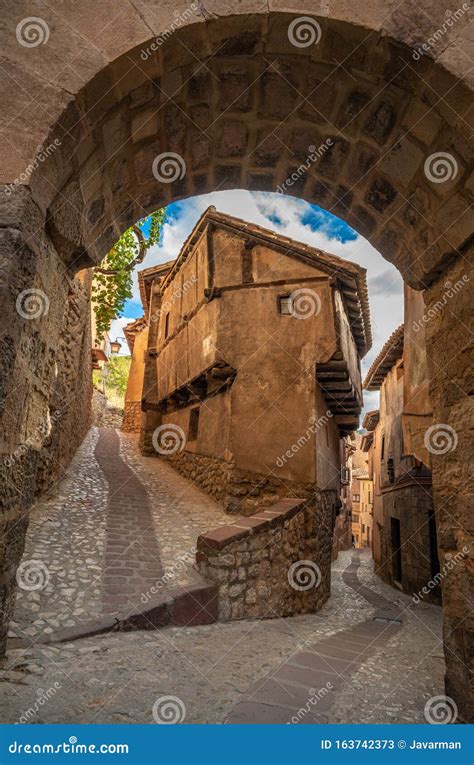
pixel 118 678
pixel 120 525
pixel 180 511
pixel 132 558
pixel 305 687
pixel 65 546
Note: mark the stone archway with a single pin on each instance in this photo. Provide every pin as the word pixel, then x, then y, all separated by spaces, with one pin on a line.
pixel 239 105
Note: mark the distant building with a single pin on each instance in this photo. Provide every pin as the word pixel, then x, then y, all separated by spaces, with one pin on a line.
pixel 252 357
pixel 405 545
pixel 136 334
pixel 362 498
pixel 343 526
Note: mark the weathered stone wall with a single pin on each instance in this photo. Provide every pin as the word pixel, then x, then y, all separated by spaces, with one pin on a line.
pixel 411 504
pixel 275 564
pixel 449 354
pixel 241 492
pixel 45 376
pixel 210 473
pixel 132 417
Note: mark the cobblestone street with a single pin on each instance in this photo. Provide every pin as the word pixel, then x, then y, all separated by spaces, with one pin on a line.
pixel 379 671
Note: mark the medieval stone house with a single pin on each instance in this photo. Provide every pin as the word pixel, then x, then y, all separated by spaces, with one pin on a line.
pixel 252 356
pixel 404 535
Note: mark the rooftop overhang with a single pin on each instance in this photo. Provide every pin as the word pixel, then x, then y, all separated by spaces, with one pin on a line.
pixel 391 352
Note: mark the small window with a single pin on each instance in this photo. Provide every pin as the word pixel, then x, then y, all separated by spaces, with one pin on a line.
pixel 356 497
pixel 167 325
pixel 284 305
pixel 355 519
pixel 193 424
pixel 382 449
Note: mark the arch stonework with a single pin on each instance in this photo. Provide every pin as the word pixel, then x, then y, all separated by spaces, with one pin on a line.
pixel 227 91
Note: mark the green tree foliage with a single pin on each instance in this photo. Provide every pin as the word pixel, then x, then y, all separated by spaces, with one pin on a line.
pixel 112 285
pixel 118 368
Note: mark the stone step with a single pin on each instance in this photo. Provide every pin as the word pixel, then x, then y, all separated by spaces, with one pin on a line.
pixel 180 607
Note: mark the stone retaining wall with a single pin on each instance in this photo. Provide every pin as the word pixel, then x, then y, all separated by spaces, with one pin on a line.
pixel 275 564
pixel 241 492
pixel 132 417
pixel 209 473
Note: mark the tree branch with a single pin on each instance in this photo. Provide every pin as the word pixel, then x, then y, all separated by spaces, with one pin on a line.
pixel 139 259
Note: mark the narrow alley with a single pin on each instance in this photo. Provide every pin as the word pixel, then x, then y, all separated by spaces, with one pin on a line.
pixel 370 655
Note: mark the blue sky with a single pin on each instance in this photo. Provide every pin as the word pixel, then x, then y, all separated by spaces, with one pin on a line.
pixel 301 221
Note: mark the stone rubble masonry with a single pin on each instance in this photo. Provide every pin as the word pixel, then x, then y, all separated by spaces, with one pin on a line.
pixel 45 385
pixel 132 417
pixel 249 560
pixel 241 492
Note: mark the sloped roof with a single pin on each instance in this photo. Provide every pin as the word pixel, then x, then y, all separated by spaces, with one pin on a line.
pixel 145 278
pixel 130 330
pixel 350 276
pixel 371 419
pixel 390 353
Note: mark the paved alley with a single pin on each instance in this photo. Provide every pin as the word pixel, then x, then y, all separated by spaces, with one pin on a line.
pixel 369 655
